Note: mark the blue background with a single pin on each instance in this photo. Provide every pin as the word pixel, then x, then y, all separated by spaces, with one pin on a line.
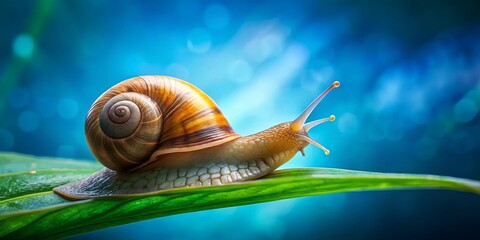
pixel 409 100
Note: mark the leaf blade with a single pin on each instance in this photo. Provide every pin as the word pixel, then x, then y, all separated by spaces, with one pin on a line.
pixel 100 213
pixel 37 181
pixel 37 212
pixel 11 162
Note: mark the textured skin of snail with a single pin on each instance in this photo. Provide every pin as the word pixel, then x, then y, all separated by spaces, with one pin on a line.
pixel 157 132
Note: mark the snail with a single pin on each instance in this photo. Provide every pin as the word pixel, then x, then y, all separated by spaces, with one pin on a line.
pixel 156 132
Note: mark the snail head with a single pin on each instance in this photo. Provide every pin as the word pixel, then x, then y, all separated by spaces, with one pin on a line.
pixel 300 128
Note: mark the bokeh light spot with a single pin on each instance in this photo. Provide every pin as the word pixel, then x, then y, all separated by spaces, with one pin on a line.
pixel 269 219
pixel 28 121
pixel 216 16
pixel 240 71
pixel 266 44
pixel 465 110
pixel 322 72
pixel 426 148
pixel 348 123
pixel 6 140
pixel 177 70
pixel 19 98
pixel 376 132
pixel 199 41
pixel 65 151
pixel 23 46
pixel 40 103
pixel 334 203
pixel 67 108
pixel 394 130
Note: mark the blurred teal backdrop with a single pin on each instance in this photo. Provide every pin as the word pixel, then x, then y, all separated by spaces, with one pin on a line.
pixel 409 100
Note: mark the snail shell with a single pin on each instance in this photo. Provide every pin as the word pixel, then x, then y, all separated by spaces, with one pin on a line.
pixel 144 118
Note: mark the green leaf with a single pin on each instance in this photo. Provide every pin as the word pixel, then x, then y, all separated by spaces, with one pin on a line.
pixel 24 183
pixel 36 212
pixel 14 162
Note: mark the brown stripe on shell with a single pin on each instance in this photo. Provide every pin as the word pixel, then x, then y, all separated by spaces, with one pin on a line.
pixel 201 114
pixel 201 136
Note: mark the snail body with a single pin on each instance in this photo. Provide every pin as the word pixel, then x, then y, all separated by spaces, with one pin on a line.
pixel 157 132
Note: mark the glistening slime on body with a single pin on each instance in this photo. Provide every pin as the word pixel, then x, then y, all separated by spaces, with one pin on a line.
pixel 158 132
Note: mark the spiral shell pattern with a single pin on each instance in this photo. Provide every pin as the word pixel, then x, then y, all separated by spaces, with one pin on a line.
pixel 141 119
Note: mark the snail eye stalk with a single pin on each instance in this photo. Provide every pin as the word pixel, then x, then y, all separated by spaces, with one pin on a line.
pixel 301 128
pixel 310 125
